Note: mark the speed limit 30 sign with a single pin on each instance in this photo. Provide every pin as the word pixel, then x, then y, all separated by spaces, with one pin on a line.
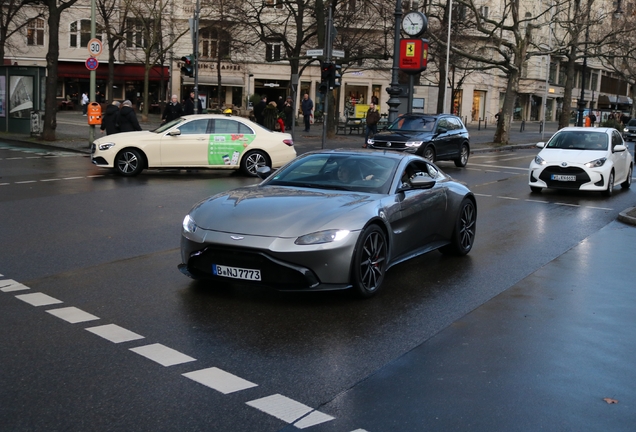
pixel 94 47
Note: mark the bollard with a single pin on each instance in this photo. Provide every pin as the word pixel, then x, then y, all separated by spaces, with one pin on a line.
pixel 485 123
pixel 479 125
pixel 541 126
pixel 523 125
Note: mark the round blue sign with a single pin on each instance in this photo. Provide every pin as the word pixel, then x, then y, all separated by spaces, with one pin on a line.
pixel 92 63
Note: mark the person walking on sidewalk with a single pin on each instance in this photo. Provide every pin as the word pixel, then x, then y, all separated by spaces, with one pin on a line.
pixel 189 105
pixel 307 105
pixel 173 110
pixel 127 118
pixel 288 110
pixel 84 103
pixel 373 117
pixel 110 122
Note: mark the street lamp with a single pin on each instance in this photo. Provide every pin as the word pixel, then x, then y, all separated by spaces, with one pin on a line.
pixel 450 12
pixel 582 102
pixel 395 90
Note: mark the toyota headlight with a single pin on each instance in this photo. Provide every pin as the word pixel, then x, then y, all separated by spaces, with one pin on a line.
pixel 414 143
pixel 189 225
pixel 106 146
pixel 539 160
pixel 596 163
pixel 319 237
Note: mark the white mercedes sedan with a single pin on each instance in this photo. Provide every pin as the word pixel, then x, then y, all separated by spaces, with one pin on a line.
pixel 195 141
pixel 580 158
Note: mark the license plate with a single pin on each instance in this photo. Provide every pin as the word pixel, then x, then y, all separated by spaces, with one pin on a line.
pixel 559 177
pixel 236 272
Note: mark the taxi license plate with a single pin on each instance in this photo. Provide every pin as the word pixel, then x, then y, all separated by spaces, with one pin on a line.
pixel 560 177
pixel 236 272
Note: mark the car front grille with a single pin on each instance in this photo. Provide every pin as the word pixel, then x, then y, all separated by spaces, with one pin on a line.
pixel 274 273
pixel 581 177
pixel 393 145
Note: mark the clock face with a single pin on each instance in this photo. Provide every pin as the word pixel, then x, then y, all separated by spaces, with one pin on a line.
pixel 414 23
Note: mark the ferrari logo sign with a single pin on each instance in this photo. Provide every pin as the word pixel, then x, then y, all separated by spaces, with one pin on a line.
pixel 413 55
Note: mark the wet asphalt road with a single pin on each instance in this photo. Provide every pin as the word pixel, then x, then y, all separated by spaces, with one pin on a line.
pixel 109 246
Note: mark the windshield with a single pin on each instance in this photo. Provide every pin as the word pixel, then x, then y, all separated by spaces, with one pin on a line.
pixel 632 122
pixel 579 140
pixel 358 173
pixel 413 124
pixel 168 125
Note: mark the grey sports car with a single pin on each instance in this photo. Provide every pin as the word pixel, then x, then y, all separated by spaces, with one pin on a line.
pixel 329 220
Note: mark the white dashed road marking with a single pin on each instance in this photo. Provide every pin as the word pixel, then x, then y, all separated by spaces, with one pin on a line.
pixel 313 419
pixel 219 380
pixel 72 315
pixel 38 299
pixel 114 333
pixel 9 285
pixel 162 354
pixel 284 408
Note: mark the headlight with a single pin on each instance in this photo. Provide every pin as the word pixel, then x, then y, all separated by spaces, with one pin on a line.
pixel 414 143
pixel 625 130
pixel 106 146
pixel 327 236
pixel 371 141
pixel 539 160
pixel 189 225
pixel 596 163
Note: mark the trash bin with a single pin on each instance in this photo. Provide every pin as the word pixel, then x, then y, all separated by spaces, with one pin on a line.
pixel 37 122
pixel 94 113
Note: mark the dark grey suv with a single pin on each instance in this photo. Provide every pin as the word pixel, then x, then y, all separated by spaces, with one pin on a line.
pixel 433 136
pixel 629 133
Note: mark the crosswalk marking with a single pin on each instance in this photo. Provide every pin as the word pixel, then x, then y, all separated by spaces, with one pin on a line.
pixel 219 380
pixel 287 409
pixel 162 354
pixel 38 299
pixel 72 315
pixel 9 285
pixel 114 333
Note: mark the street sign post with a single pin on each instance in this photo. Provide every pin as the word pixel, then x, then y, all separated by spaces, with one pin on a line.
pixel 94 47
pixel 338 53
pixel 314 52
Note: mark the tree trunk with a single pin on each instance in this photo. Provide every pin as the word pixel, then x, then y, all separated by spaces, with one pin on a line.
pixel 144 114
pixel 50 101
pixel 564 118
pixel 502 134
pixel 441 85
pixel 110 82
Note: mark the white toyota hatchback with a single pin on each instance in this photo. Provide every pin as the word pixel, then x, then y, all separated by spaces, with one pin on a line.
pixel 579 158
pixel 195 141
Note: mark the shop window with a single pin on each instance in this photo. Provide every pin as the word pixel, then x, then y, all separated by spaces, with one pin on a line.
pixel 35 32
pixel 80 33
pixel 272 51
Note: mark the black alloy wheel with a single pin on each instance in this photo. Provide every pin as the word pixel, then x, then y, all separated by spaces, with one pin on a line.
pixel 628 181
pixel 463 236
pixel 252 161
pixel 610 185
pixel 462 160
pixel 369 261
pixel 429 154
pixel 129 162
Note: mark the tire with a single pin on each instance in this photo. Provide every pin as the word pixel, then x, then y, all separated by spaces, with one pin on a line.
pixel 369 261
pixel 129 162
pixel 429 154
pixel 462 160
pixel 628 181
pixel 252 161
pixel 536 189
pixel 463 236
pixel 610 185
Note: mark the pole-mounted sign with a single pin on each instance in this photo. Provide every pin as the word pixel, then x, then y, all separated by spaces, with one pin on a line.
pixel 413 55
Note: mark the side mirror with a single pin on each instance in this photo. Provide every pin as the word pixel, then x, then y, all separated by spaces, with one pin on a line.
pixel 441 130
pixel 540 144
pixel 619 148
pixel 422 182
pixel 264 172
pixel 174 132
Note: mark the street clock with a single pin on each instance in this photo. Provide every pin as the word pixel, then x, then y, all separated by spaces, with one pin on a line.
pixel 414 23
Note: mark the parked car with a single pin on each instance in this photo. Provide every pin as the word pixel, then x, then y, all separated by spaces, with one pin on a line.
pixel 629 132
pixel 195 141
pixel 579 158
pixel 435 137
pixel 329 220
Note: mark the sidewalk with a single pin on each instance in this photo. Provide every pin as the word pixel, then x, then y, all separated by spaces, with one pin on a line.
pixel 72 133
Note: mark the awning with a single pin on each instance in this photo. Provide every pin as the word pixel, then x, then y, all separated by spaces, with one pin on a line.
pixel 126 72
pixel 612 100
pixel 228 81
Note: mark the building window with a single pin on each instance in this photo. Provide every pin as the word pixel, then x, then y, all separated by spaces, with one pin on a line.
pixel 135 34
pixel 483 11
pixel 274 3
pixel 272 51
pixel 80 32
pixel 35 32
pixel 214 43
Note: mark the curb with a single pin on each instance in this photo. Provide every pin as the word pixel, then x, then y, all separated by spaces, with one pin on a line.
pixel 628 216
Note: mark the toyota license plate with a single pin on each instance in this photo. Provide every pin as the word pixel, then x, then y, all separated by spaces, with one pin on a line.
pixel 236 272
pixel 561 177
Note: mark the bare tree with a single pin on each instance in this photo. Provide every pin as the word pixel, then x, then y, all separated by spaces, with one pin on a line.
pixel 114 18
pixel 15 16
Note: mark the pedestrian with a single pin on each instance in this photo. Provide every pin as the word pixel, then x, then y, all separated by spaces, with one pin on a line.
pixel 84 103
pixel 592 119
pixel 280 104
pixel 189 105
pixel 127 118
pixel 172 111
pixel 588 121
pixel 258 110
pixel 373 117
pixel 374 100
pixel 307 105
pixel 270 115
pixel 110 120
pixel 288 110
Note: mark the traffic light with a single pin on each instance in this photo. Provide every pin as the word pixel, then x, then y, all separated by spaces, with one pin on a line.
pixel 335 79
pixel 323 87
pixel 188 67
pixel 325 72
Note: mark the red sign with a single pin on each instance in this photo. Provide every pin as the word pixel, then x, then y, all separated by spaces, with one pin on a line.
pixel 91 63
pixel 413 55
